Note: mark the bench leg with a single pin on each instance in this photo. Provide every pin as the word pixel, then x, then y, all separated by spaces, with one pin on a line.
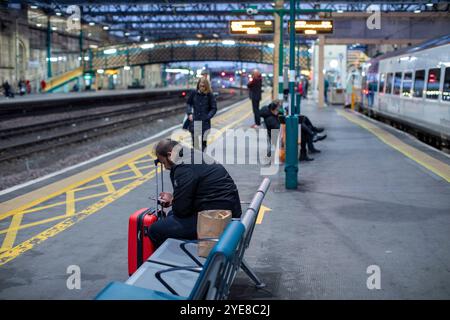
pixel 246 268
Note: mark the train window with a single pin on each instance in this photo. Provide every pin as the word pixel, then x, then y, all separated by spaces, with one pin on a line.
pixel 389 83
pixel 434 80
pixel 397 82
pixel 419 81
pixel 446 91
pixel 381 86
pixel 407 84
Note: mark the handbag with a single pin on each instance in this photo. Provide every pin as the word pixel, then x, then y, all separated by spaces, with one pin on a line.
pixel 186 122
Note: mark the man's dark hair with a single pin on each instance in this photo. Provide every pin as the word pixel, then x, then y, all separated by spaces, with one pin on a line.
pixel 273 106
pixel 165 146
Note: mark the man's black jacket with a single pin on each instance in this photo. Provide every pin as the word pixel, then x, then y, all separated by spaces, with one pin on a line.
pixel 198 187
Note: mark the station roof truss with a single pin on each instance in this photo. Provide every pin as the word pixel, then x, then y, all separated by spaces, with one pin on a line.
pixel 171 19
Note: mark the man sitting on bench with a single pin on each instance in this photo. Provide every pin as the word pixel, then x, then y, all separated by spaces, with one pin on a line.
pixel 196 187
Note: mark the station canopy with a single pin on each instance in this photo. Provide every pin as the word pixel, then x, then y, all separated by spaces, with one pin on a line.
pixel 137 21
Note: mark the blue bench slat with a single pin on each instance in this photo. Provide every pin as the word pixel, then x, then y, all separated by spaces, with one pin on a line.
pixel 182 281
pixel 121 291
pixel 171 253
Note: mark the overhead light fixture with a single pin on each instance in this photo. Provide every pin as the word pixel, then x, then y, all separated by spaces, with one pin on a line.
pixel 126 68
pixel 183 71
pixel 271 45
pixel 110 51
pixel 215 35
pixel 100 71
pixel 146 39
pixel 229 42
pixel 192 42
pixel 105 28
pixel 429 4
pixel 54 28
pixel 58 14
pixel 93 46
pixel 199 35
pixel 126 34
pixel 39 25
pixel 92 23
pixel 417 11
pixel 33 6
pixel 147 45
pixel 340 11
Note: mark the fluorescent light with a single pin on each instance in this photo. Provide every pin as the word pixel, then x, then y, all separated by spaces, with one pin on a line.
pixel 192 42
pixel 58 14
pixel 126 68
pixel 33 6
pixel 340 11
pixel 417 11
pixel 147 46
pixel 100 71
pixel 229 42
pixel 146 39
pixel 271 45
pixel 110 51
pixel 215 35
pixel 183 71
pixel 86 58
pixel 127 34
pixel 92 23
pixel 105 28
pixel 39 25
pixel 429 4
pixel 93 46
pixel 54 28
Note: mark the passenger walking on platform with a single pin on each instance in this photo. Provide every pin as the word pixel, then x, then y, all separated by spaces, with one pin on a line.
pixel 255 90
pixel 201 107
pixel 325 92
pixel 305 87
pixel 196 187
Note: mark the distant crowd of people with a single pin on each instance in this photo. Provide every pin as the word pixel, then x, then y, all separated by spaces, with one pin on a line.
pixel 23 87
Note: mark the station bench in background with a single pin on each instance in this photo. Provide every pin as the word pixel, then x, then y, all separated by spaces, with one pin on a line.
pixel 175 271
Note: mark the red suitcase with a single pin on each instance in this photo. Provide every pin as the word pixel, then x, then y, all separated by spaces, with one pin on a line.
pixel 140 247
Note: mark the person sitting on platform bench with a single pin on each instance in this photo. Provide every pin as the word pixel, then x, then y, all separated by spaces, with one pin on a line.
pixel 196 187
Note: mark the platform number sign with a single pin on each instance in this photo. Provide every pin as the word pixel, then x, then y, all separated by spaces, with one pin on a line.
pixel 250 27
pixel 313 27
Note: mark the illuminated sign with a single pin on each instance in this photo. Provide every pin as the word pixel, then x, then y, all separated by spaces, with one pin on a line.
pixel 312 27
pixel 251 26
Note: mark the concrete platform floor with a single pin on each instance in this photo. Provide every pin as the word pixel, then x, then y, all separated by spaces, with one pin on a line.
pixel 359 203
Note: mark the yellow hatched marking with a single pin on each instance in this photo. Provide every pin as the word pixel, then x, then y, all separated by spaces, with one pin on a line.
pixel 108 183
pixel 11 233
pixel 70 203
pixel 434 165
pixel 135 170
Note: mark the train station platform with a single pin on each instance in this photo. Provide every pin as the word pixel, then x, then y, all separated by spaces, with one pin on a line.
pixel 372 197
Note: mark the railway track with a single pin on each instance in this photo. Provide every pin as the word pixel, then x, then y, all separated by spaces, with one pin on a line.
pixel 26 140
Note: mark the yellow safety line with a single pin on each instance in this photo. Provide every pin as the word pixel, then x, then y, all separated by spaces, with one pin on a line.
pixel 70 203
pixel 434 165
pixel 30 243
pixel 109 185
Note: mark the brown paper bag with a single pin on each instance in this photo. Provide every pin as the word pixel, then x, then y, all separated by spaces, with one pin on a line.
pixel 210 224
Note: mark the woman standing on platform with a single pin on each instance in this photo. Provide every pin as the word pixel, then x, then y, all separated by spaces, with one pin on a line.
pixel 255 90
pixel 201 107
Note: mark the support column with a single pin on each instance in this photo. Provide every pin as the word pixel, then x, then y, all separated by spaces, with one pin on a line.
pixel 279 5
pixel 291 167
pixel 276 50
pixel 49 48
pixel 320 78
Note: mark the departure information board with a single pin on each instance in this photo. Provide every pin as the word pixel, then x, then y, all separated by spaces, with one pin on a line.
pixel 312 27
pixel 251 26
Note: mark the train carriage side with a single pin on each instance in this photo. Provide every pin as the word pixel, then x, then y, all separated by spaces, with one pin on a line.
pixel 413 88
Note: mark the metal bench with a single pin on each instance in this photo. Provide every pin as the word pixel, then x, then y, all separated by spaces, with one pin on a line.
pixel 211 281
pixel 175 270
pixel 174 252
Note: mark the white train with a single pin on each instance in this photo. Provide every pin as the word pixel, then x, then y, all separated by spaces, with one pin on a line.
pixel 411 88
